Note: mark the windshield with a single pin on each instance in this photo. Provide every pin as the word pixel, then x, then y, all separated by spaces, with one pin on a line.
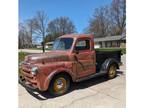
pixel 62 44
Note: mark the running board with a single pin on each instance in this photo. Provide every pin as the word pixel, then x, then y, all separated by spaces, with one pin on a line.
pixel 91 76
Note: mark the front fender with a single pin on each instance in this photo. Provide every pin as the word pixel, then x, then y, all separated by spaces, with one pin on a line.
pixel 58 71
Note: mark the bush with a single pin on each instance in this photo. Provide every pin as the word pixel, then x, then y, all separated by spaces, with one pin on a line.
pixel 123 50
pixel 21 58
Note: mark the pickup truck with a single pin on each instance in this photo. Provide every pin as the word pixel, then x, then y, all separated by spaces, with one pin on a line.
pixel 72 59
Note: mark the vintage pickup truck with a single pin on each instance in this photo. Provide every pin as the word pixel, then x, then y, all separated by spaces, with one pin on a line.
pixel 72 59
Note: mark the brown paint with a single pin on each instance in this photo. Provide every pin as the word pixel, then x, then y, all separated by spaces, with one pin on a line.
pixel 54 62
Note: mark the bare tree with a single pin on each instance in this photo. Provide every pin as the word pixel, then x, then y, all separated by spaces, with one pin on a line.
pixel 24 37
pixel 30 24
pixel 61 26
pixel 99 24
pixel 40 25
pixel 118 15
pixel 109 20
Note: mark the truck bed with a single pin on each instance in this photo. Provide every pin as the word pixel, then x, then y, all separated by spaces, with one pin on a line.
pixel 103 54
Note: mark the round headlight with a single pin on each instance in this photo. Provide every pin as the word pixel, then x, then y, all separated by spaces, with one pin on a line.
pixel 34 70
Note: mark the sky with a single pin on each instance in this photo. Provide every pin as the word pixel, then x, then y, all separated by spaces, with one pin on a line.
pixel 79 11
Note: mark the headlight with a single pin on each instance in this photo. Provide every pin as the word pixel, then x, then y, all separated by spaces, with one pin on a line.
pixel 34 70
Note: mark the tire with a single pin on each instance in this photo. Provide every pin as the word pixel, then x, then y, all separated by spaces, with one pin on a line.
pixel 112 71
pixel 59 85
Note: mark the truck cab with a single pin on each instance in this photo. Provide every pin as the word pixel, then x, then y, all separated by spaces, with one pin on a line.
pixel 72 59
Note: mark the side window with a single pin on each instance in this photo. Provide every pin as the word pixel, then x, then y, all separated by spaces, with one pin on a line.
pixel 82 45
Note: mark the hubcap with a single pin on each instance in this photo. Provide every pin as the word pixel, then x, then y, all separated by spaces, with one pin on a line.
pixel 112 71
pixel 60 85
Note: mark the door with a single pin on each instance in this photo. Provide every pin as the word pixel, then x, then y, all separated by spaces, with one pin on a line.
pixel 85 58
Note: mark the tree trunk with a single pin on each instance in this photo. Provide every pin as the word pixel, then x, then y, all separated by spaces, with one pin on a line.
pixel 43 47
pixel 43 43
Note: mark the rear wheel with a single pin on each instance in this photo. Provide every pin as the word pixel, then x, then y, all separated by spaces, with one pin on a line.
pixel 112 71
pixel 59 85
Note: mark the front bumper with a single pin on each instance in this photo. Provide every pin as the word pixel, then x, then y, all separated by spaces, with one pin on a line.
pixel 27 86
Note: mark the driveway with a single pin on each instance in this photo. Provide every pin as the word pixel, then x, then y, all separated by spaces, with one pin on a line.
pixel 93 93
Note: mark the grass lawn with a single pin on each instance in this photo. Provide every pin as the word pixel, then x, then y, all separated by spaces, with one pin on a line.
pixel 22 56
pixel 40 48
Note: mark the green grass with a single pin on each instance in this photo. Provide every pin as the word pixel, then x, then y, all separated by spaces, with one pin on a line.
pixel 40 48
pixel 22 56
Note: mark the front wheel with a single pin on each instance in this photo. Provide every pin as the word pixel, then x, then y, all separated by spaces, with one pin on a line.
pixel 59 85
pixel 112 71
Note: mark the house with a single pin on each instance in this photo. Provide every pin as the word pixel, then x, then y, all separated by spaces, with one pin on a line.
pixel 108 41
pixel 38 46
pixel 111 41
pixel 48 45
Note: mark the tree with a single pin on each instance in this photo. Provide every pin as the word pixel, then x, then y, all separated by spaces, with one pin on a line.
pixel 24 37
pixel 60 26
pixel 100 24
pixel 49 38
pixel 40 22
pixel 118 15
pixel 109 20
pixel 30 24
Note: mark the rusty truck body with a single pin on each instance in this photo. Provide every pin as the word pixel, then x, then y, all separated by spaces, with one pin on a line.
pixel 72 59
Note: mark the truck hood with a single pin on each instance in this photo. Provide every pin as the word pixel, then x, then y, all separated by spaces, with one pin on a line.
pixel 51 56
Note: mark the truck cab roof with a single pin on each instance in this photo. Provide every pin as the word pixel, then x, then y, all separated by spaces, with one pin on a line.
pixel 77 36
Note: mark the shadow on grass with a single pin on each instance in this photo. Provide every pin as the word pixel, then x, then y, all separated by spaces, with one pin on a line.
pixel 75 86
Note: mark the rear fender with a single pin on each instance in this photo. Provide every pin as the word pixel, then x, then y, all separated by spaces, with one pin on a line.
pixel 108 62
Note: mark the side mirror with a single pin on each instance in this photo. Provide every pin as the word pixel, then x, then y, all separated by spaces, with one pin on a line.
pixel 76 51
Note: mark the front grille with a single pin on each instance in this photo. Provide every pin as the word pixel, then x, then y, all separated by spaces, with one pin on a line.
pixel 26 69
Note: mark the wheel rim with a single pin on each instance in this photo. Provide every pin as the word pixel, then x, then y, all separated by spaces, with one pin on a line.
pixel 112 71
pixel 60 85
